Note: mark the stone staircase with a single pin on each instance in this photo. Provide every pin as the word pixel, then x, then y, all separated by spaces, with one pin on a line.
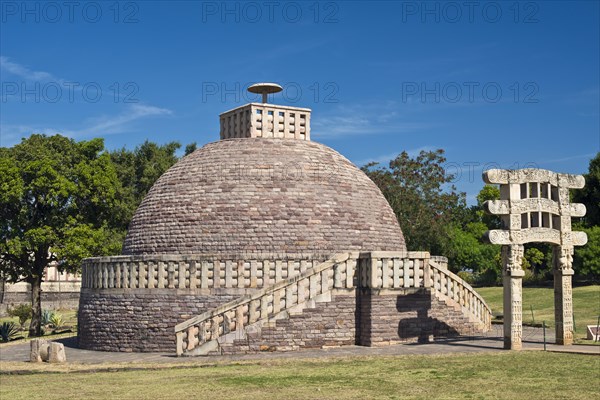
pixel 460 296
pixel 206 333
pixel 239 326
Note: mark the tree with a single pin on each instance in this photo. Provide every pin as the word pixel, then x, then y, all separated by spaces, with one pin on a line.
pixel 190 148
pixel 422 197
pixel 138 170
pixel 57 199
pixel 590 194
pixel 468 251
pixel 488 192
pixel 533 258
pixel 586 260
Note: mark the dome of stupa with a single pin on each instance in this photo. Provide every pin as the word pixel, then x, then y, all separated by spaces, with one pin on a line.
pixel 264 188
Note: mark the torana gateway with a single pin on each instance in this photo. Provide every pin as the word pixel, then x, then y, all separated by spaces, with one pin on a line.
pixel 266 240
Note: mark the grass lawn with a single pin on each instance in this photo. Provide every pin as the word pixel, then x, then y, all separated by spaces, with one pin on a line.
pixel 510 375
pixel 586 305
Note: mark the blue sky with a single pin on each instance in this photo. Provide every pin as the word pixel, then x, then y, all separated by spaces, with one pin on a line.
pixel 496 84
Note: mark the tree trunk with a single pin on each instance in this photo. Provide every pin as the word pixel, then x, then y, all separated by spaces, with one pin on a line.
pixel 35 328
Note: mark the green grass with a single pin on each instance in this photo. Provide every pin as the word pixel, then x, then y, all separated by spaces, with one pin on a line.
pixel 586 305
pixel 509 375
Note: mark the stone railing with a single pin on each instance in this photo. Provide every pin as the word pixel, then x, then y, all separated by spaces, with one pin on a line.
pixel 393 270
pixel 448 285
pixel 187 272
pixel 288 295
pixel 276 287
pixel 413 269
pixel 266 121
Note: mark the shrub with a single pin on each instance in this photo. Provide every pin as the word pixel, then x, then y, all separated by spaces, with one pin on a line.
pixel 47 317
pixel 21 311
pixel 57 321
pixel 466 276
pixel 489 277
pixel 529 277
pixel 8 330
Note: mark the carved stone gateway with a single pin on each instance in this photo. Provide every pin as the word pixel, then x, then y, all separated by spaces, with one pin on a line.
pixel 534 207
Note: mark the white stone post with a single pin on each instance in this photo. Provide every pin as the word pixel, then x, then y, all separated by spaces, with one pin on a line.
pixel 512 256
pixel 563 294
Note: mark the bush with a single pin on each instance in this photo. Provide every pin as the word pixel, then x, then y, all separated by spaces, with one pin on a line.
pixel 532 279
pixel 466 276
pixel 529 277
pixel 8 330
pixel 21 311
pixel 57 321
pixel 489 277
pixel 47 317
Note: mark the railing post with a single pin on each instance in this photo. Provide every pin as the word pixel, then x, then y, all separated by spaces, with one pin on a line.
pixel 264 307
pixel 289 296
pixel 193 280
pixel 161 275
pixel 351 270
pixel 141 275
pixel 372 281
pixel 277 301
pixel 252 312
pixel 426 274
pixel 239 317
pixel 179 344
pixel 214 331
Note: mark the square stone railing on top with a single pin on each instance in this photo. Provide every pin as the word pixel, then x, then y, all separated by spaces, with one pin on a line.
pixel 267 121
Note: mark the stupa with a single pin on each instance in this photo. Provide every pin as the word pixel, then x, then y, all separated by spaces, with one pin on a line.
pixel 267 240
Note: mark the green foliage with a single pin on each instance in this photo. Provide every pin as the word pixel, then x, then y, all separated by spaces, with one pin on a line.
pixel 57 321
pixel 533 258
pixel 466 276
pixel 190 148
pixel 422 197
pixel 8 330
pixel 21 311
pixel 467 251
pixel 137 171
pixel 488 192
pixel 83 240
pixel 63 201
pixel 57 191
pixel 46 317
pixel 590 194
pixel 586 260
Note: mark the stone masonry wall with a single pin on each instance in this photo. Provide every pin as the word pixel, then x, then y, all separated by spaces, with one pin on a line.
pixel 408 315
pixel 138 320
pixel 50 300
pixel 328 324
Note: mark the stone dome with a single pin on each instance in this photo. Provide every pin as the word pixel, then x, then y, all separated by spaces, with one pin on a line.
pixel 256 195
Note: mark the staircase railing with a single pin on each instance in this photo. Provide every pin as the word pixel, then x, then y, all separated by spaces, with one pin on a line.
pixel 416 269
pixel 451 286
pixel 267 303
